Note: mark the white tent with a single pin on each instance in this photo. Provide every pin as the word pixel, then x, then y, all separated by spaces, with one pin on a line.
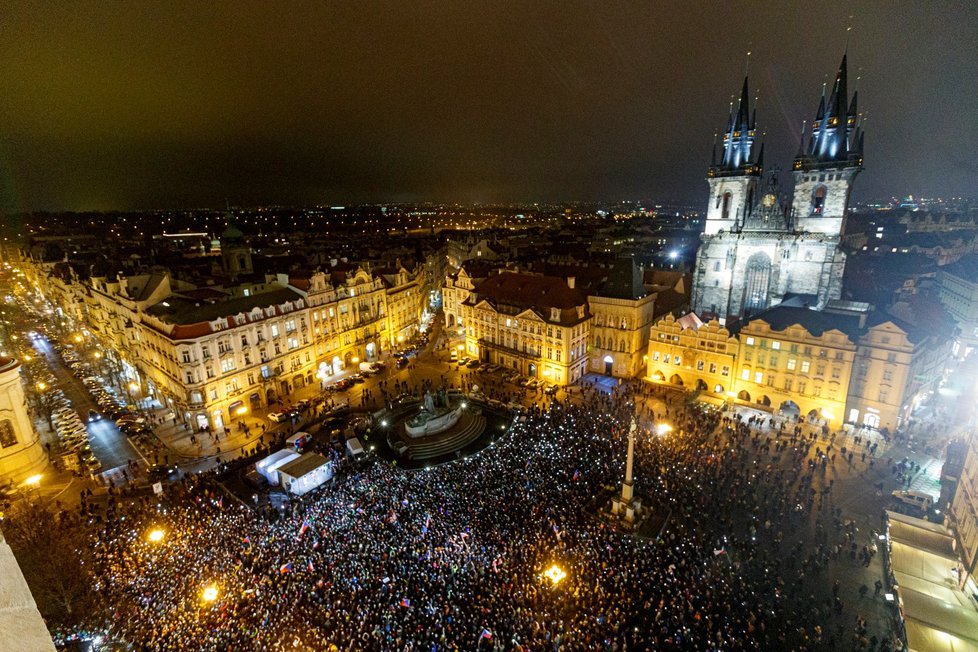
pixel 269 466
pixel 304 474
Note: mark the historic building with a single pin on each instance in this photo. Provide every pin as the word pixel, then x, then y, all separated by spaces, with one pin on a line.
pixel 959 294
pixel 21 453
pixel 536 325
pixel 214 352
pixel 756 247
pixel 687 353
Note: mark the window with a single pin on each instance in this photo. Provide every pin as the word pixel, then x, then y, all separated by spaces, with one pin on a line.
pixel 210 371
pixel 891 357
pixel 655 356
pixel 758 377
pixel 817 391
pixel 818 200
pixel 725 371
pixel 791 364
pixel 774 361
pixel 801 386
pixel 699 365
pixel 770 380
pixel 725 211
pixel 227 364
pixel 888 375
pixel 677 360
pixel 190 378
pixel 838 355
pixel 776 346
pixel 820 370
pixel 716 266
pixel 244 340
pixel 745 374
pixel 274 330
pixel 293 343
pixel 750 341
pixel 836 373
pixel 251 379
pixel 213 394
pixel 666 358
pixel 787 384
pixel 882 396
pixel 265 373
pixel 205 351
pixel 713 367
pixel 186 356
pixel 7 436
pixel 805 366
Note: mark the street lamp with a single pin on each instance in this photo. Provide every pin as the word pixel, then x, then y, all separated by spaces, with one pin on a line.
pixel 210 593
pixel 33 481
pixel 156 535
pixel 41 385
pixel 555 574
pixel 663 429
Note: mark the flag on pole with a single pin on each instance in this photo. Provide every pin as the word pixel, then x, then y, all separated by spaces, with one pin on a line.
pixel 286 568
pixel 427 522
pixel 302 530
pixel 405 602
pixel 719 551
pixel 220 502
pixel 556 531
pixel 486 634
pixel 577 474
pixel 246 542
pixel 311 568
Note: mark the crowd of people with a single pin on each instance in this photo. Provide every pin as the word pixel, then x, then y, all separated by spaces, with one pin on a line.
pixel 454 557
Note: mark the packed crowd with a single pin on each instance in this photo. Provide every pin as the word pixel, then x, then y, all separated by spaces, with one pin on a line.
pixel 453 558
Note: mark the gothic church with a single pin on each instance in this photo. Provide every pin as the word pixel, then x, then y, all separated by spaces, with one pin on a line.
pixel 756 247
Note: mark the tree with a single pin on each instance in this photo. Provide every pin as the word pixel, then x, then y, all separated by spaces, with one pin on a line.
pixel 53 553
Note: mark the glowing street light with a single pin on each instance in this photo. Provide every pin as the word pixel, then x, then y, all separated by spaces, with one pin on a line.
pixel 33 480
pixel 663 429
pixel 210 593
pixel 42 386
pixel 156 535
pixel 555 574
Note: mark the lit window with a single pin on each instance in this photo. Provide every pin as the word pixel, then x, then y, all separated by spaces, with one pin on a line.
pixel 805 366
pixel 791 364
pixel 776 346
pixel 758 377
pixel 745 374
pixel 750 341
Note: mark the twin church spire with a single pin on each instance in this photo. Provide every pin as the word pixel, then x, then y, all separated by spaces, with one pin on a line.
pixel 836 135
pixel 738 141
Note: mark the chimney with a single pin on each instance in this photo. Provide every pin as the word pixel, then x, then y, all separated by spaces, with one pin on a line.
pixel 571 280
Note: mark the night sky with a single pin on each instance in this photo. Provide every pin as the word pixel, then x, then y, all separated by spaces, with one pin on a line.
pixel 131 105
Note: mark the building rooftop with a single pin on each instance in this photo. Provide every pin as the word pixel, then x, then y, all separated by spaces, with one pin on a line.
pixel 180 311
pixel 303 465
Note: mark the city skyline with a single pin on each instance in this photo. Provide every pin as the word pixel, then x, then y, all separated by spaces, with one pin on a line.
pixel 172 106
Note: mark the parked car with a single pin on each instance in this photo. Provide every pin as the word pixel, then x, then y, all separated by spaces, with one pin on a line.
pixel 162 472
pixel 278 417
pixel 916 499
pixel 473 364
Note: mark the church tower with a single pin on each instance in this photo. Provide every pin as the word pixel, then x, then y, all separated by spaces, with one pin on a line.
pixel 825 169
pixel 757 250
pixel 733 179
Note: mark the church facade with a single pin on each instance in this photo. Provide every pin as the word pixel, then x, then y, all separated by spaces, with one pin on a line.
pixel 759 246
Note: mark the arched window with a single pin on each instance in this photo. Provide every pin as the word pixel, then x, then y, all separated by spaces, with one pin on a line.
pixel 818 200
pixel 758 278
pixel 597 342
pixel 725 214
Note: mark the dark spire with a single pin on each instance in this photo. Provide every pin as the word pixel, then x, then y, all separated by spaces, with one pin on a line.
pixel 760 155
pixel 833 139
pixel 738 139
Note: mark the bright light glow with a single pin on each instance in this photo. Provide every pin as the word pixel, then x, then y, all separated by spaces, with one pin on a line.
pixel 555 574
pixel 827 415
pixel 98 354
pixel 42 386
pixel 383 423
pixel 33 480
pixel 673 254
pixel 156 535
pixel 210 593
pixel 242 410
pixel 133 387
pixel 78 338
pixel 464 405
pixel 663 429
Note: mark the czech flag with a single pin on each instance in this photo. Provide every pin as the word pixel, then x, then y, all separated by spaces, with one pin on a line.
pixel 405 602
pixel 486 634
pixel 286 568
pixel 311 569
pixel 246 542
pixel 302 530
pixel 577 474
